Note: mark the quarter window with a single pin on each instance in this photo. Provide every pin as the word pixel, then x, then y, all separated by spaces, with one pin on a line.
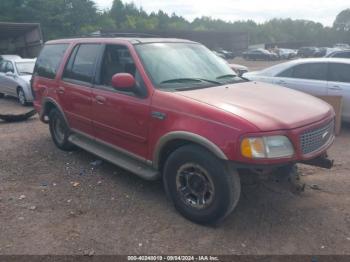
pixel 49 60
pixel 339 72
pixel 81 64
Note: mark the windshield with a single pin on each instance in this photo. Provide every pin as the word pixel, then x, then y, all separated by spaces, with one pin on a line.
pixel 184 66
pixel 25 68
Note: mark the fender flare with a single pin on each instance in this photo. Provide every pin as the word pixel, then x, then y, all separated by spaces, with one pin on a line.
pixel 45 102
pixel 183 135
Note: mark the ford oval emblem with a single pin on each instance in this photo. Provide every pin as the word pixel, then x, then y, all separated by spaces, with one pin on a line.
pixel 325 134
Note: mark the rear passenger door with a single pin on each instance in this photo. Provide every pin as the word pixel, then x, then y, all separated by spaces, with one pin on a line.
pixel 339 85
pixel 75 89
pixel 3 87
pixel 309 78
pixel 120 118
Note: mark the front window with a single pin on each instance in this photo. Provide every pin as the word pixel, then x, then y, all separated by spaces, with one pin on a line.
pixel 184 66
pixel 25 68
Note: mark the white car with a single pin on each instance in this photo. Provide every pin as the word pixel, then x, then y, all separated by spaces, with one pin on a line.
pixel 316 76
pixel 15 75
pixel 285 53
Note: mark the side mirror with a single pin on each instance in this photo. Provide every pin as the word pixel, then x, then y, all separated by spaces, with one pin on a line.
pixel 10 74
pixel 123 81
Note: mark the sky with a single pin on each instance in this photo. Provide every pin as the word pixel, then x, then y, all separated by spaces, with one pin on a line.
pixel 323 11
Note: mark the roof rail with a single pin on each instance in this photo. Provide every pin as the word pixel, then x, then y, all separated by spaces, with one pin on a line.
pixel 116 34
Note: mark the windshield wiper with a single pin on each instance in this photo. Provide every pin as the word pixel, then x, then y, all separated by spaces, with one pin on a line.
pixel 228 75
pixel 232 76
pixel 180 80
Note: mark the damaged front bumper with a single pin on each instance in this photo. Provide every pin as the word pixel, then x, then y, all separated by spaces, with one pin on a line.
pixel 322 161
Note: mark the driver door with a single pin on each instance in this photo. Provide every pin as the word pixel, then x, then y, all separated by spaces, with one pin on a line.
pixel 120 118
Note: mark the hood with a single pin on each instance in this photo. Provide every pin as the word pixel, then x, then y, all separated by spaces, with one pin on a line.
pixel 268 107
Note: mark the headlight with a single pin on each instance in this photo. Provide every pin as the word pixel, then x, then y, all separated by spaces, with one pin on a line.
pixel 267 147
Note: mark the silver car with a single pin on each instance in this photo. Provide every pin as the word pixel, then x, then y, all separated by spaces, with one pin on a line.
pixel 15 75
pixel 316 76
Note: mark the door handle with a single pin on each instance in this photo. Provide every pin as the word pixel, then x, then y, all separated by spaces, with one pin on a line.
pixel 100 100
pixel 60 90
pixel 335 88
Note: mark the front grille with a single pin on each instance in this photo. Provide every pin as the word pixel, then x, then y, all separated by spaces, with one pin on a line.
pixel 315 139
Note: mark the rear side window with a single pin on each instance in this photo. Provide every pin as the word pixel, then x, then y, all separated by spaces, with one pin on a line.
pixel 339 72
pixel 81 64
pixel 49 60
pixel 313 71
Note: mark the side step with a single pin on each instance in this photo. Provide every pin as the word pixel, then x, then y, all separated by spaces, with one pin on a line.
pixel 114 156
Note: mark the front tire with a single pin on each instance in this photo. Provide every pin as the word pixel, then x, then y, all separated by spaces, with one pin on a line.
pixel 59 130
pixel 22 97
pixel 202 187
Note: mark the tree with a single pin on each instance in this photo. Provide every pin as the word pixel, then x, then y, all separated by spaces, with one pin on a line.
pixel 68 18
pixel 58 18
pixel 342 21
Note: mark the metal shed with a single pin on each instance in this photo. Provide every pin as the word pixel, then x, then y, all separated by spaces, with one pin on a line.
pixel 24 39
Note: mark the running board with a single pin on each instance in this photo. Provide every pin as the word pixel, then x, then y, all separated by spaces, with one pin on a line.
pixel 114 156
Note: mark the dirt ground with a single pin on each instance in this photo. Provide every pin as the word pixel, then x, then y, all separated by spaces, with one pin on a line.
pixel 55 202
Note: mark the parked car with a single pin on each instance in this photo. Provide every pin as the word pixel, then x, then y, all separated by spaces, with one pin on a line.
pixel 219 54
pixel 259 54
pixel 331 50
pixel 316 76
pixel 227 54
pixel 340 54
pixel 285 53
pixel 321 52
pixel 15 75
pixel 307 51
pixel 239 69
pixel 177 112
pixel 342 46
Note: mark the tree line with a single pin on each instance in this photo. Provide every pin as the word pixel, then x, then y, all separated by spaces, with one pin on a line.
pixel 67 18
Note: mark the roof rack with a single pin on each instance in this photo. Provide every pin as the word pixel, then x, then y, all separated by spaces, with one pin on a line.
pixel 116 34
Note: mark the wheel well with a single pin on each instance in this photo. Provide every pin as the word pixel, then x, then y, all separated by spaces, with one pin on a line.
pixel 47 109
pixel 170 147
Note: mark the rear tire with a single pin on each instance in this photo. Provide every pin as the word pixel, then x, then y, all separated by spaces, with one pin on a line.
pixel 202 187
pixel 59 130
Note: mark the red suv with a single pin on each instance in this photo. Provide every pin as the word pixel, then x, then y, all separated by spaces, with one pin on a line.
pixel 170 109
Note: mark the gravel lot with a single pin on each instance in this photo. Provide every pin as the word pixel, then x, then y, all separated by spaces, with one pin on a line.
pixel 54 202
